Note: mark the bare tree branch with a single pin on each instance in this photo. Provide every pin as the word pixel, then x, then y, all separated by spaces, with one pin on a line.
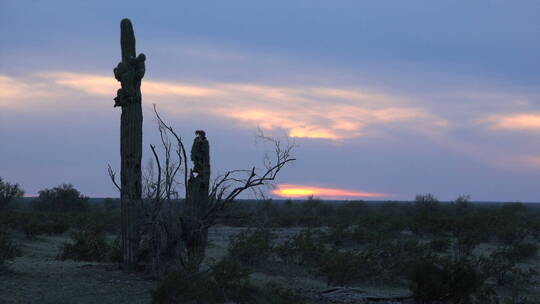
pixel 112 175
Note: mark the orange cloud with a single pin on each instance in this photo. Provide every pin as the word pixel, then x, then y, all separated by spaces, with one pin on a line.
pixel 534 160
pixel 107 85
pixel 515 122
pixel 14 91
pixel 297 191
pixel 302 111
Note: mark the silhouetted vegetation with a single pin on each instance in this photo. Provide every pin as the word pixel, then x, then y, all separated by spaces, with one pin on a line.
pixel 457 252
pixel 9 194
pixel 88 243
pixel 62 199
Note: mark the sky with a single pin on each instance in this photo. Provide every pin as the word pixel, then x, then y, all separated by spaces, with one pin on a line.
pixel 383 99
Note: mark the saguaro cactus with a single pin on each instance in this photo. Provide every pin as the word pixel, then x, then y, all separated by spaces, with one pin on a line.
pixel 129 72
pixel 194 227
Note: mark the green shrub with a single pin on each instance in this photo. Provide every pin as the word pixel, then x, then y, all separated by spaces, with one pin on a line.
pixel 9 193
pixel 440 245
pixel 304 247
pixel 8 248
pixel 434 280
pixel 44 223
pixel 277 294
pixel 232 278
pixel 520 280
pixel 252 247
pixel 226 280
pixel 87 244
pixel 392 259
pixel 64 198
pixel 339 234
pixel 115 253
pixel 184 287
pixel 502 262
pixel 339 267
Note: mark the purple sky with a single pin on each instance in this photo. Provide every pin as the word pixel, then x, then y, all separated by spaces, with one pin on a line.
pixel 385 99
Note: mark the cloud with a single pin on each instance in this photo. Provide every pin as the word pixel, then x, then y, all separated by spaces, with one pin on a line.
pixel 514 122
pixel 297 191
pixel 14 91
pixel 533 160
pixel 105 86
pixel 303 111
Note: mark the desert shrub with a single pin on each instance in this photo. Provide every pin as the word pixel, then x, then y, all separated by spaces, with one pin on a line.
pixel 339 267
pixel 349 212
pixel 9 193
pixel 303 248
pixel 376 229
pixel 111 203
pixel 468 231
pixel 232 279
pixel 8 248
pixel 87 244
pixel 520 280
pixel 440 245
pixel 44 223
pixel 310 221
pixel 391 259
pixel 226 280
pixel 285 221
pixel 64 198
pixel 115 253
pixel 31 228
pixel 426 216
pixel 339 234
pixel 502 262
pixel 511 223
pixel 444 280
pixel 277 294
pixel 252 247
pixel 185 287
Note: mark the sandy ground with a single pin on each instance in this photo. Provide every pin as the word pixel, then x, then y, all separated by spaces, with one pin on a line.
pixel 38 277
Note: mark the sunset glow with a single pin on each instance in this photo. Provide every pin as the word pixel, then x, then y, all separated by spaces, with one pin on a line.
pixel 516 122
pixel 296 110
pixel 299 191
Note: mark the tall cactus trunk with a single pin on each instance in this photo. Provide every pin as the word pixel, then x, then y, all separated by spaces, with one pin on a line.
pixel 130 72
pixel 131 153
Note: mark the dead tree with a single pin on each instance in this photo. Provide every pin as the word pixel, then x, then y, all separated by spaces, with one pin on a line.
pixel 176 230
pixel 129 73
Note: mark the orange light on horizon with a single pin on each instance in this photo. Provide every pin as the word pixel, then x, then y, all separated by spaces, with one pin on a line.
pixel 297 191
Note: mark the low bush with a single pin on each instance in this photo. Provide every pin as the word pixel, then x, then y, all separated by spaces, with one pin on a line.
pixel 303 248
pixel 8 248
pixel 502 262
pixel 441 280
pixel 9 194
pixel 339 267
pixel 184 287
pixel 277 294
pixel 39 224
pixel 440 245
pixel 252 247
pixel 226 280
pixel 64 198
pixel 87 244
